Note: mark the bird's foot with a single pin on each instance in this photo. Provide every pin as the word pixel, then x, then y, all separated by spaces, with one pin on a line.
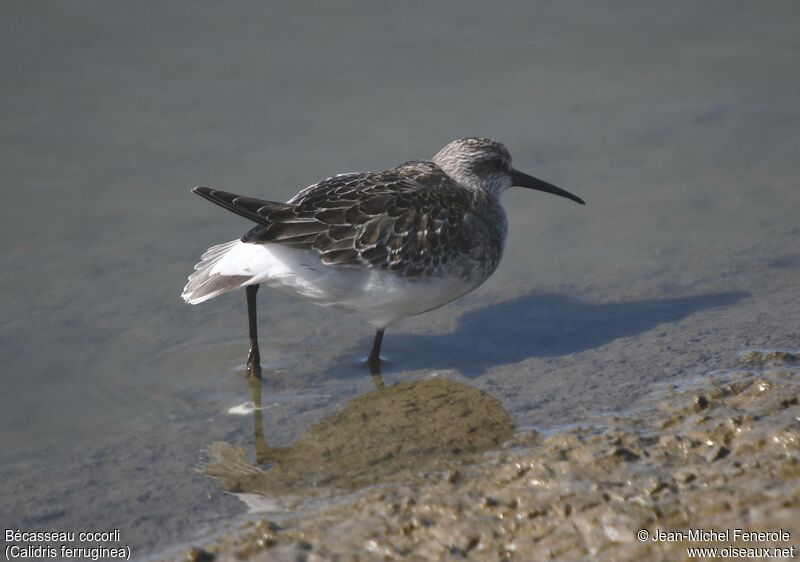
pixel 375 371
pixel 374 364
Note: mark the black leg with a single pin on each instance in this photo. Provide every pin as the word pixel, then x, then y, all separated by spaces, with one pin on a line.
pixel 254 357
pixel 374 360
pixel 262 449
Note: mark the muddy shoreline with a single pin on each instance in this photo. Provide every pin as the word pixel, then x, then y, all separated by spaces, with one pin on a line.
pixel 718 452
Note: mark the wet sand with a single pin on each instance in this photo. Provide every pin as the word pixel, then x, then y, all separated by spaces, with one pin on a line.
pixel 718 452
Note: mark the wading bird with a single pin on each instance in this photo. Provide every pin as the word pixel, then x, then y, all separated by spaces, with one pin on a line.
pixel 384 245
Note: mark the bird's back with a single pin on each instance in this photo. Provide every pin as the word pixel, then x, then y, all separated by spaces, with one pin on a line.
pixel 413 221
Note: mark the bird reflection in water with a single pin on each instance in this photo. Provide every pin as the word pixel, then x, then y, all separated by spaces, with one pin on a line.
pixel 388 434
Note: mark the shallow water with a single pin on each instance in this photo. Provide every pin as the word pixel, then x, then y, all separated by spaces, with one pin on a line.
pixel 379 436
pixel 677 123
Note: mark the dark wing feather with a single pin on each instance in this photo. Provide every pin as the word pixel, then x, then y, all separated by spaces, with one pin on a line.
pixel 248 207
pixel 293 229
pixel 407 219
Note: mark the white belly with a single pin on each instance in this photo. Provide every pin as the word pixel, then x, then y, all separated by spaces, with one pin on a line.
pixel 378 296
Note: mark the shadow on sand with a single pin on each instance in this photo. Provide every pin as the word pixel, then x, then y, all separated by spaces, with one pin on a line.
pixel 533 325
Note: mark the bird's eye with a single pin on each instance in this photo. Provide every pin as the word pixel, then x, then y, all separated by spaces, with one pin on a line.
pixel 497 163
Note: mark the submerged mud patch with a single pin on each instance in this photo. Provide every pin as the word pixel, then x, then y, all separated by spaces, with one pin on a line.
pixel 384 435
pixel 719 452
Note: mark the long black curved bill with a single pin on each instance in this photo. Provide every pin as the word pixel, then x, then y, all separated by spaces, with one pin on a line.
pixel 524 180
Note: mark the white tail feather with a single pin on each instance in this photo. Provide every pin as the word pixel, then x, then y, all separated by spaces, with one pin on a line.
pixel 208 279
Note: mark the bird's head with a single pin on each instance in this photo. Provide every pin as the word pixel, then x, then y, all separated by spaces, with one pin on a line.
pixel 480 163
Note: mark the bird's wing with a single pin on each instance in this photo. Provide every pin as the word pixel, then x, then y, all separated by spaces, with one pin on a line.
pixel 403 219
pixel 251 208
